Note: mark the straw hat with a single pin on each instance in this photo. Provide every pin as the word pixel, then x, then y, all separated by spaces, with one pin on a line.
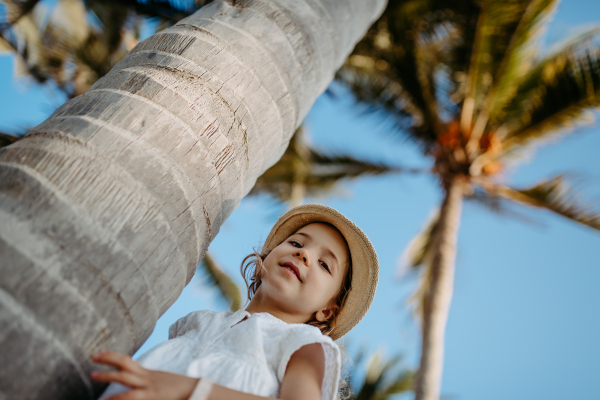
pixel 365 267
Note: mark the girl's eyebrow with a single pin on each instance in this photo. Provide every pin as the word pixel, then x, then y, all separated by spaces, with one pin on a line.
pixel 327 249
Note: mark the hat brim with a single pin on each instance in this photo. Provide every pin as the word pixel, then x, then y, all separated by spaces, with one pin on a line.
pixel 365 267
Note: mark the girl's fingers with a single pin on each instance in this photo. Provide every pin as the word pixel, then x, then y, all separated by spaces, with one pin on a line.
pixel 122 377
pixel 117 360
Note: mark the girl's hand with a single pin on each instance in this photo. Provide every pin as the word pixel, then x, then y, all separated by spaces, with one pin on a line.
pixel 145 384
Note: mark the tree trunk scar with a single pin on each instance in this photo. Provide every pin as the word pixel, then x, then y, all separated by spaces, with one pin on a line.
pixel 208 224
pixel 223 159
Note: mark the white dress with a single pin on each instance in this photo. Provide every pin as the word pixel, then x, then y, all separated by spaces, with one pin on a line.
pixel 251 356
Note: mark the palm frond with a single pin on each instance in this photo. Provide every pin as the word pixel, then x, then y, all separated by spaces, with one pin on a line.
pixel 519 54
pixel 6 46
pixel 25 38
pixel 104 47
pixel 15 10
pixel 330 168
pixel 394 67
pixel 557 195
pixel 167 10
pixel 495 204
pixel 73 43
pixel 316 171
pixel 403 382
pixel 502 24
pixel 216 278
pixel 558 94
pixel 403 57
pixel 521 50
pixel 541 68
pixel 380 96
pixel 44 39
pixel 473 75
pixel 383 379
pixel 418 256
pixel 464 16
pixel 419 248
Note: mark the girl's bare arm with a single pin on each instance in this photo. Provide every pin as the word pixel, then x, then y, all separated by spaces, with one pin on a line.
pixel 302 379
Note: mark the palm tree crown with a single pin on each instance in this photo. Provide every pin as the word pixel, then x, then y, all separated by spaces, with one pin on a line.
pixel 470 85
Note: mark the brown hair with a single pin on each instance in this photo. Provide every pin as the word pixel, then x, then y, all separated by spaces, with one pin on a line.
pixel 252 267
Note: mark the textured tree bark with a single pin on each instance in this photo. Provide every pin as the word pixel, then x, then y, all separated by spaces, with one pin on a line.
pixel 439 296
pixel 107 207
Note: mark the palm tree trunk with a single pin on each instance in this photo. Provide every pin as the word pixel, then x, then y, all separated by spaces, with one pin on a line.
pixel 300 168
pixel 437 300
pixel 108 206
pixel 297 195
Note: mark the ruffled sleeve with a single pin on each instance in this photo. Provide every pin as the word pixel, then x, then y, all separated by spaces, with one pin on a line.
pixel 308 335
pixel 190 322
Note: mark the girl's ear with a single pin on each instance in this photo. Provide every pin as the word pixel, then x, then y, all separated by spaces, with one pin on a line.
pixel 328 313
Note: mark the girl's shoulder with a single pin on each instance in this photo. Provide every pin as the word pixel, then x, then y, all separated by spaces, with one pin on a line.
pixel 285 339
pixel 300 332
pixel 198 321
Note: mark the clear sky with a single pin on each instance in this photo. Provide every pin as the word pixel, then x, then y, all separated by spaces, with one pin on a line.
pixel 524 320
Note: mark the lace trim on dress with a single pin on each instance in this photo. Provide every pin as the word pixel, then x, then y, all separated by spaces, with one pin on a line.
pixel 330 376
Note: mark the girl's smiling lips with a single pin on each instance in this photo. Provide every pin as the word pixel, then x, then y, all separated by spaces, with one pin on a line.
pixel 292 268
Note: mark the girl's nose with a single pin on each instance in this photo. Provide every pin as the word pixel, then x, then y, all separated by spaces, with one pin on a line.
pixel 301 256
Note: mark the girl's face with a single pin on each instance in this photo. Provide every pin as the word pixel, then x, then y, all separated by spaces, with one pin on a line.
pixel 305 272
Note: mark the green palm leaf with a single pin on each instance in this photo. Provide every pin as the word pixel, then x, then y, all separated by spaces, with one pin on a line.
pixel 65 45
pixel 15 10
pixel 498 22
pixel 418 256
pixel 379 95
pixel 45 41
pixel 495 204
pixel 384 379
pixel 520 51
pixel 216 278
pixel 393 68
pixel 419 248
pixel 315 171
pixel 556 95
pixel 554 194
pixel 167 10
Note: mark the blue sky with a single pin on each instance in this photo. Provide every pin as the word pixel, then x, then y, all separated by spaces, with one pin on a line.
pixel 524 319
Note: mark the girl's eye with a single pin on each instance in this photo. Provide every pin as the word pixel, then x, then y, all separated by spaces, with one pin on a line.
pixel 295 244
pixel 324 265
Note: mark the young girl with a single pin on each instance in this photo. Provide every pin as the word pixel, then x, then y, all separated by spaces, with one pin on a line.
pixel 312 283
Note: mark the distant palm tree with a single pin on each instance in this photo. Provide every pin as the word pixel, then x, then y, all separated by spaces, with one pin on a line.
pixel 468 82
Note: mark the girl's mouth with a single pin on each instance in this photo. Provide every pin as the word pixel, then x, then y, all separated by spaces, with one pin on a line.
pixel 293 269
